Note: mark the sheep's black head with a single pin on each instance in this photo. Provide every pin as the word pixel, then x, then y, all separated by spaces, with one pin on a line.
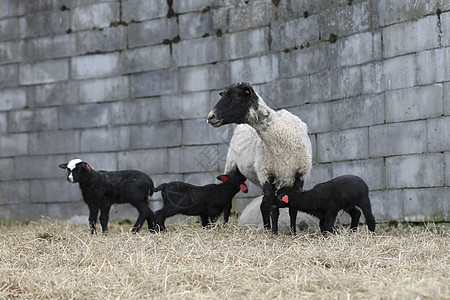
pixel 75 168
pixel 234 106
pixel 236 178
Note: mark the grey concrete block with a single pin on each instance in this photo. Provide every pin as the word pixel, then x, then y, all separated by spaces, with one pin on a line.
pixel 44 72
pixel 136 111
pixel 447 168
pixel 46 23
pixel 38 167
pixel 154 83
pixel 447 98
pixel 372 78
pixel 82 116
pixel 156 135
pixel 445 23
pixel 432 66
pixel 398 138
pixel 60 93
pixel 411 36
pixel 98 65
pixel 185 106
pixel 98 161
pixel 414 103
pixel 150 161
pixel 320 87
pixel 343 145
pixel 390 12
pixel 285 92
pixel 357 112
pixel 431 204
pixel 400 72
pixel 414 171
pixel 246 43
pixel 371 170
pixel 50 47
pixel 152 32
pixel 108 39
pixel 6 169
pixel 193 25
pixel 199 132
pixel 33 120
pixel 54 142
pixel 14 144
pixel 75 212
pixel 319 173
pixel 387 205
pixel 11 52
pixel 105 139
pixel 9 29
pixel 140 10
pixel 313 139
pixel 438 132
pixel 96 15
pixel 255 70
pixel 12 99
pixel 204 78
pixel 12 8
pixel 197 51
pixel 193 159
pixel 14 192
pixel 100 90
pixel 23 212
pixel 258 14
pixel 145 59
pixel 316 115
pixel 9 75
pixel 304 61
pixel 356 49
pixel 294 33
pixel 345 82
pixel 3 122
pixel 193 5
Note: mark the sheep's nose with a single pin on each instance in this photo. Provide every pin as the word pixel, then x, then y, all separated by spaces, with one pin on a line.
pixel 211 115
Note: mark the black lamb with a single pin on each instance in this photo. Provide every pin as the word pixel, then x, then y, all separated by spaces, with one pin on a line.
pixel 325 200
pixel 101 189
pixel 207 201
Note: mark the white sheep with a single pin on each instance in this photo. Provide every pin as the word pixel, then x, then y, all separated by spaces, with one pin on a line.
pixel 272 149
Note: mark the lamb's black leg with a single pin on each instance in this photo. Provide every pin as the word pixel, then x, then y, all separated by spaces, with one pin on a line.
pixel 226 213
pixel 355 214
pixel 265 212
pixel 93 214
pixel 143 215
pixel 269 207
pixel 164 213
pixel 104 217
pixel 204 219
pixel 151 220
pixel 293 219
pixel 367 211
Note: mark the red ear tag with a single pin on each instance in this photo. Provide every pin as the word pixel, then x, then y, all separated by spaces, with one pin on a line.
pixel 244 188
pixel 251 95
pixel 224 178
pixel 285 199
pixel 89 168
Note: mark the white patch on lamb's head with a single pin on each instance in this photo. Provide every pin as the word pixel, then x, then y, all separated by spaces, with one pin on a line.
pixel 70 166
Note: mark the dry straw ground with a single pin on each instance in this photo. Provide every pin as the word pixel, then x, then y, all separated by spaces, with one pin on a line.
pixel 56 260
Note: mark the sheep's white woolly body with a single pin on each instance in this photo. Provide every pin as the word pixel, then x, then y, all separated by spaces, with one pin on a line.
pixel 274 143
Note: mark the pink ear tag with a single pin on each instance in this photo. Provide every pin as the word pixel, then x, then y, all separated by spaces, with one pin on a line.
pixel 223 178
pixel 285 199
pixel 89 168
pixel 244 188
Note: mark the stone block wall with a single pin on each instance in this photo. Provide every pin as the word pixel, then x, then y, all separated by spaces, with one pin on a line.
pixel 128 84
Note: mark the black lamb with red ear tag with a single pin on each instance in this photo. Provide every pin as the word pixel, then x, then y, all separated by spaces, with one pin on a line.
pixel 207 201
pixel 101 189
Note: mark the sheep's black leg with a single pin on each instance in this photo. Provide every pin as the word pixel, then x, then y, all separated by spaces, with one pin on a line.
pixel 367 211
pixel 355 214
pixel 268 205
pixel 144 212
pixel 93 214
pixel 104 217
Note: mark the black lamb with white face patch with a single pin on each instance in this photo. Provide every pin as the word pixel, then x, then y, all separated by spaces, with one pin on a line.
pixel 101 189
pixel 234 105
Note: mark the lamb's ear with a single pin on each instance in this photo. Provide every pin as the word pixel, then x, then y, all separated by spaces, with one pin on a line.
pixel 244 188
pixel 63 166
pixel 222 178
pixel 285 198
pixel 85 165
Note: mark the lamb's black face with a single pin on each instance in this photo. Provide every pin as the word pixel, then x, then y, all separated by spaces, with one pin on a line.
pixel 233 106
pixel 235 177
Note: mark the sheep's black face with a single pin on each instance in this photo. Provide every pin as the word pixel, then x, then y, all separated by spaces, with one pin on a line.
pixel 234 105
pixel 75 170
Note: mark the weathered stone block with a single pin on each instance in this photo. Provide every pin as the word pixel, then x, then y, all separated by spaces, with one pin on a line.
pixel 413 171
pixel 372 78
pixel 319 173
pixel 46 23
pixel 198 132
pixel 447 98
pixel 96 15
pixel 390 12
pixel 193 5
pixel 432 66
pixel 185 106
pixel 60 93
pixel 447 168
pixel 345 82
pixel 33 120
pixel 411 37
pixel 156 135
pixel 14 144
pixel 356 49
pixel 149 161
pixel 14 192
pixel 54 142
pixel 44 72
pixel 82 116
pixel 9 75
pixel 193 25
pixel 23 212
pixel 255 70
pixel 320 87
pixel 399 72
pixel 9 29
pixel 100 90
pixel 7 169
pixel 146 59
pixel 386 205
pixel 343 145
pixel 153 83
pixel 246 43
pixel 99 65
pixel 399 138
pixel 286 92
pixel 100 160
pixel 193 159
pixel 438 132
pixel 430 204
pixel 316 115
pixel 304 61
pixel 3 122
pixel 152 32
pixel 357 112
pixel 12 8
pixel 197 51
pixel 11 52
pixel 50 47
pixel 414 103
pixel 136 111
pixel 105 139
pixel 108 39
pixel 140 10
pixel 36 167
pixel 205 78
pixel 294 33
pixel 12 99
pixel 250 16
pixel 445 23
pixel 371 170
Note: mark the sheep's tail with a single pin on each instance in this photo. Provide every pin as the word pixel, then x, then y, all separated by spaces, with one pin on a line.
pixel 161 187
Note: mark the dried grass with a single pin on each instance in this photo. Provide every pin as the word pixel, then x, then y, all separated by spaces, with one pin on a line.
pixel 56 260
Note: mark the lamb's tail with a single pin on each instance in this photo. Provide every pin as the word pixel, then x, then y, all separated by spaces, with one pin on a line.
pixel 151 190
pixel 161 187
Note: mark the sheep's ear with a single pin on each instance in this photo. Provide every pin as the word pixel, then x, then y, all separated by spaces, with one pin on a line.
pixel 244 188
pixel 223 178
pixel 63 166
pixel 248 91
